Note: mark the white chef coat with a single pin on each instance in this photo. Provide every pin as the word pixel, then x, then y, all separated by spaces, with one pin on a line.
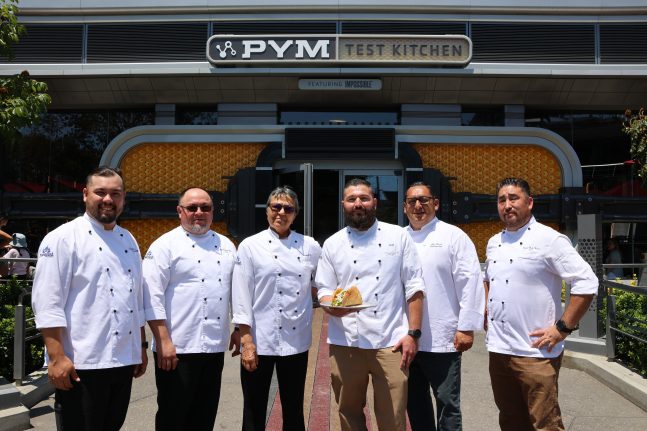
pixel 454 293
pixel 525 269
pixel 187 282
pixel 383 263
pixel 17 268
pixel 89 282
pixel 272 291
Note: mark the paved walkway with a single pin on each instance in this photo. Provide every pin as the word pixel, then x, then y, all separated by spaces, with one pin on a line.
pixel 587 404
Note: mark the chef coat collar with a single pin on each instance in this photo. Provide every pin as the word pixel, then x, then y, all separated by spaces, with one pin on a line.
pixel 427 227
pixel 522 229
pixel 96 223
pixel 371 229
pixel 195 235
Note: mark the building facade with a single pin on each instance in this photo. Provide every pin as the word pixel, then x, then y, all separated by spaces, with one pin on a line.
pixel 241 96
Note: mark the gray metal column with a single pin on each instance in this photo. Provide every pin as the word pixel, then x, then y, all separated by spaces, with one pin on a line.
pixel 165 114
pixel 589 232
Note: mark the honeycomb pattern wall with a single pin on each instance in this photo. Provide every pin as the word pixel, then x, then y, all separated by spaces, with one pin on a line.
pixel 477 168
pixel 172 167
pixel 147 231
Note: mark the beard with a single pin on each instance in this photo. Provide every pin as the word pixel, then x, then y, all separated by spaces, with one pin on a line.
pixel 106 218
pixel 361 221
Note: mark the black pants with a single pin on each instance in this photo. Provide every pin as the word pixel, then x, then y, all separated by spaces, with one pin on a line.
pixel 187 397
pixel 99 401
pixel 291 375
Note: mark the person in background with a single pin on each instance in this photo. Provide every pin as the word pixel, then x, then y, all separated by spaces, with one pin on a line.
pixel 19 270
pixel 379 341
pixel 88 304
pixel 5 238
pixel 272 307
pixel 525 266
pixel 187 287
pixel 454 304
pixel 613 256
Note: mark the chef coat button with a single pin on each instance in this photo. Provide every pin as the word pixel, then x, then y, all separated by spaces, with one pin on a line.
pixel 280 310
pixel 270 241
pixel 221 299
pixel 294 328
pixel 299 275
pixel 219 279
pixel 379 228
pixel 279 274
pixel 107 269
pixel 131 311
pixel 295 241
pixel 506 281
pixel 354 261
pixel 280 327
pixel 131 290
pixel 490 299
pixel 520 243
pixel 130 270
pixel 112 290
pixel 499 245
pixel 510 260
pixel 116 332
pixel 187 234
pixel 376 295
pixel 276 257
pixel 380 245
pixel 218 317
pixel 374 312
pixel 377 277
pixel 130 332
pixel 213 235
pixel 203 280
pixel 356 278
pixel 495 261
pixel 192 245
pixel 379 261
pixel 491 319
pixel 199 261
pixel 205 317
pixel 280 292
pixel 296 311
pixel 205 299
pixel 298 293
pixel 352 246
pixel 100 249
pixel 218 262
pixel 114 311
pixel 121 234
pixel 90 232
pixel 125 251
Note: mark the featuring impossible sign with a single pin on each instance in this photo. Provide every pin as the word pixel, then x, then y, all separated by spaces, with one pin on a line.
pixel 348 49
pixel 340 84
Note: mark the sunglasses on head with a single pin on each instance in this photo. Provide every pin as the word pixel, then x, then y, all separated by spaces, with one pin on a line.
pixel 289 209
pixel 194 208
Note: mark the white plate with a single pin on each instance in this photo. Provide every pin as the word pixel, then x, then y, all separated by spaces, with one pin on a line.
pixel 350 307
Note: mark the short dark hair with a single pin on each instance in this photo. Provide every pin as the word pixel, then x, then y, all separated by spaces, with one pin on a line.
pixel 516 182
pixel 105 171
pixel 359 182
pixel 421 184
pixel 183 192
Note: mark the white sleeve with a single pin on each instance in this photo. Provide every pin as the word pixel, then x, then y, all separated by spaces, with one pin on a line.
pixel 156 272
pixel 571 267
pixel 411 272
pixel 326 278
pixel 468 281
pixel 242 287
pixel 53 280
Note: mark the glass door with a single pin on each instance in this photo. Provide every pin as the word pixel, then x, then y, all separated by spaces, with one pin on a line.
pixel 301 181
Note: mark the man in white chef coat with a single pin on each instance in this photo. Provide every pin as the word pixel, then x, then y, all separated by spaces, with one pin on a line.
pixel 187 287
pixel 453 309
pixel 379 341
pixel 88 303
pixel 526 264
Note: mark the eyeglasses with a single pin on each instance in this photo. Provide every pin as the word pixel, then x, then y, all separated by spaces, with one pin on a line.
pixel 424 200
pixel 194 208
pixel 289 209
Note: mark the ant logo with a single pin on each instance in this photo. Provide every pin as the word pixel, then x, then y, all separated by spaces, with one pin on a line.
pixel 223 51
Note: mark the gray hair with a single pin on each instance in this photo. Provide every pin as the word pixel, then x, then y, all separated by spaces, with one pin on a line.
pixel 284 192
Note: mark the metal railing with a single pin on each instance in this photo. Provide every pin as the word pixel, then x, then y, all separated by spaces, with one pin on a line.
pixel 619 325
pixel 24 329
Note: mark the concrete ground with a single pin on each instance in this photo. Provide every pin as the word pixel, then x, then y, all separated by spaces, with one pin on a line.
pixel 587 404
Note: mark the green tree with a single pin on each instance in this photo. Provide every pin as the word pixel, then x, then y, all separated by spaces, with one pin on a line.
pixel 636 127
pixel 22 99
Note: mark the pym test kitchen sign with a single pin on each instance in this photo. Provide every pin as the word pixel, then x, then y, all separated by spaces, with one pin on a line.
pixel 352 49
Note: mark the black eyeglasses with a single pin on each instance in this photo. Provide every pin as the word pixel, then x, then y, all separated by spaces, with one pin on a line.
pixel 289 209
pixel 194 208
pixel 424 200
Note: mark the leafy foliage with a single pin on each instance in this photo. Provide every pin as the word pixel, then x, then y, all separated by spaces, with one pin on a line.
pixel 34 351
pixel 636 127
pixel 22 99
pixel 631 317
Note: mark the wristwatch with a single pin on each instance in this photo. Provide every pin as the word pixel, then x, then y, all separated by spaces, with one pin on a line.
pixel 561 327
pixel 415 333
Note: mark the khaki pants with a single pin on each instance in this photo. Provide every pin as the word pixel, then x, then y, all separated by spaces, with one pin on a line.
pixel 525 391
pixel 350 368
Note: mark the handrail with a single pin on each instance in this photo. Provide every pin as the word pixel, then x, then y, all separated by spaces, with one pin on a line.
pixel 612 327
